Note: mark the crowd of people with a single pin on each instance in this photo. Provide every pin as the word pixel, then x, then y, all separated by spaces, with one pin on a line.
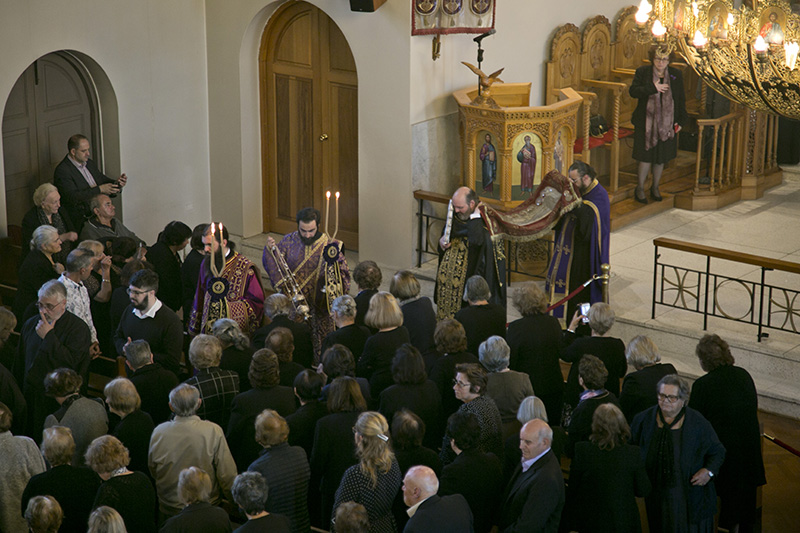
pixel 311 407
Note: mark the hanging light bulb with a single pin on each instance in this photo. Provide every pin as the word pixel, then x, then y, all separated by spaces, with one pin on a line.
pixel 643 14
pixel 791 50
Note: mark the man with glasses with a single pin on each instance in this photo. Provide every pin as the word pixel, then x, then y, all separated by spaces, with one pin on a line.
pixel 148 319
pixel 54 339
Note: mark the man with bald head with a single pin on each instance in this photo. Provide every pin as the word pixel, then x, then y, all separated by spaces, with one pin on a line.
pixel 467 250
pixel 429 512
pixel 535 496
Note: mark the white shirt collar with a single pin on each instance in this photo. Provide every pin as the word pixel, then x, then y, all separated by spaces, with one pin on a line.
pixel 67 280
pixel 413 509
pixel 150 313
pixel 529 463
pixel 475 214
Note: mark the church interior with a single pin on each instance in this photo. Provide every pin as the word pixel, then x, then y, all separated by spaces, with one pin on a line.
pixel 179 96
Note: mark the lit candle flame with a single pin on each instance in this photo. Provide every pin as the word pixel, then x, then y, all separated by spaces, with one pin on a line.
pixel 644 12
pixel 730 19
pixel 791 50
pixel 336 229
pixel 327 209
pixel 695 9
pixel 699 40
pixel 658 29
pixel 760 45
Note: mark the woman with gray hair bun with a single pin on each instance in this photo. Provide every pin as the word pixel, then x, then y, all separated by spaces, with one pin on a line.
pixel 347 333
pixel 47 211
pixel 38 267
pixel 506 387
pixel 639 387
pixel 236 350
pixel 250 492
pixel 194 490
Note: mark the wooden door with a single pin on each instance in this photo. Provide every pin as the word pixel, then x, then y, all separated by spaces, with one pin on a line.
pixel 309 93
pixel 49 103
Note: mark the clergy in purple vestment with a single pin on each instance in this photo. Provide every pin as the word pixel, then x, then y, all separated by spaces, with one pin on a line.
pixel 316 261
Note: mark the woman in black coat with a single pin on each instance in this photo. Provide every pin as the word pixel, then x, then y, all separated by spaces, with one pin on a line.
pixel 47 211
pixel 535 342
pixel 606 476
pixel 376 360
pixel 164 255
pixel 414 391
pixel 38 268
pixel 419 318
pixel 639 387
pixel 727 397
pixel 135 427
pixel 658 117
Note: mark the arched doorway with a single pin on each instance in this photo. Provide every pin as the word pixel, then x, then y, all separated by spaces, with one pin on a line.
pixel 309 119
pixel 52 100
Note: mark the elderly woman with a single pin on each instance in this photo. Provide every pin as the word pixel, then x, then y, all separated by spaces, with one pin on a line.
pixel 481 319
pixel 535 342
pixel 166 259
pixel 639 387
pixel 375 362
pixel 506 387
pixel 451 344
pixel 236 350
pixel 334 451
pixel 347 333
pixel 419 318
pixel 413 390
pixel 351 517
pixel 133 427
pixel 105 519
pixel 281 341
pixel 44 514
pixel 592 375
pixel 726 396
pixel 368 277
pixel 19 461
pixel 610 350
pixel 194 490
pixel 47 211
pixel 657 119
pixel 39 267
pixel 338 361
pixel 682 454
pixel 375 480
pixel 73 487
pixel 217 387
pixel 470 386
pixel 267 393
pixel 285 469
pixel 250 492
pixel 86 417
pixel 606 476
pixel 131 494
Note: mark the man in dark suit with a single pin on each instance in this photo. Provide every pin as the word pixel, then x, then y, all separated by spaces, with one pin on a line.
pixel 534 497
pixel 307 388
pixel 152 381
pixel 78 179
pixel 368 277
pixel 477 476
pixel 428 511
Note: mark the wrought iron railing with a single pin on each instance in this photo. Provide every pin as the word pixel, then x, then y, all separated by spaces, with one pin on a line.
pixel 519 257
pixel 767 305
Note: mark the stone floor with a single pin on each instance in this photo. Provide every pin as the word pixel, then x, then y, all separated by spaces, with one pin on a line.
pixel 766 227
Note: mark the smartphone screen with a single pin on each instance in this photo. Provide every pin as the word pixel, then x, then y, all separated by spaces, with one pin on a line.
pixel 585 312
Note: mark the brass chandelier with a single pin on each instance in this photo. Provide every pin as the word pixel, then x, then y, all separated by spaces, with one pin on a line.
pixel 747 54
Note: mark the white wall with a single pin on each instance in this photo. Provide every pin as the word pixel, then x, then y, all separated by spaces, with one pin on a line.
pixel 153 53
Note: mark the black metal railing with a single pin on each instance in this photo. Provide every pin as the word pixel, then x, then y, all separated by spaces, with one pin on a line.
pixel 701 291
pixel 519 257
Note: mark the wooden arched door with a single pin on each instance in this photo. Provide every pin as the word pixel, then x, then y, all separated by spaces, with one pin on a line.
pixel 50 102
pixel 309 122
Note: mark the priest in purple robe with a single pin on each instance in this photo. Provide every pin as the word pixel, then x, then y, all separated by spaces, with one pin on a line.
pixel 318 266
pixel 581 244
pixel 234 291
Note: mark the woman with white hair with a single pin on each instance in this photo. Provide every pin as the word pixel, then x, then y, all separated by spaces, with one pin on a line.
pixel 347 333
pixel 194 490
pixel 639 387
pixel 133 426
pixel 250 492
pixel 506 387
pixel 237 351
pixel 39 267
pixel 47 211
pixel 105 519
